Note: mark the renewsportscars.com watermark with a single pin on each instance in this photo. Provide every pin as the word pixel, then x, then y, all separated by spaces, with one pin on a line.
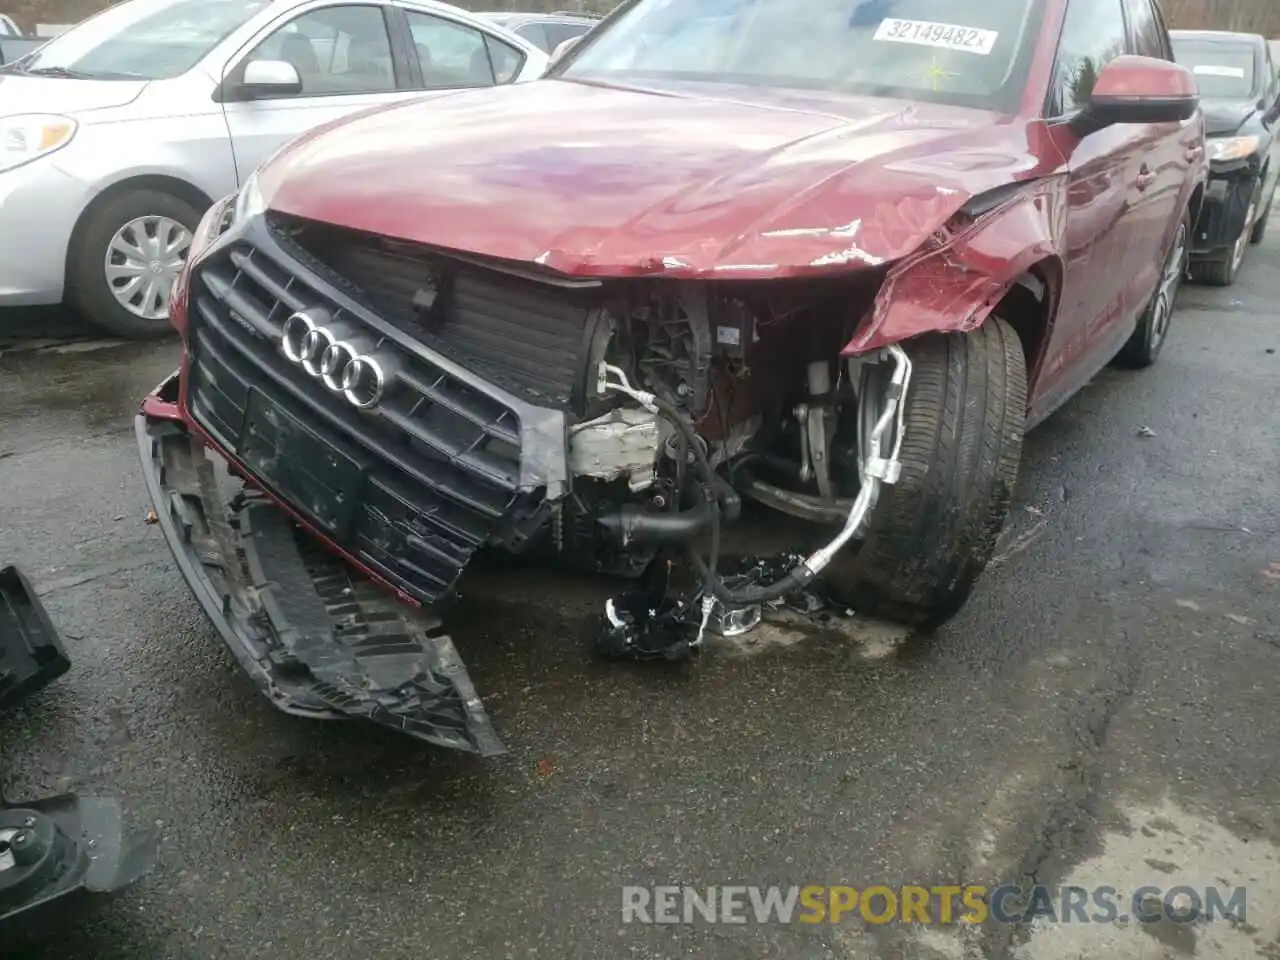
pixel 968 904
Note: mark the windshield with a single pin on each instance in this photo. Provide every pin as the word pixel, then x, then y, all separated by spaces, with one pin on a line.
pixel 1224 71
pixel 969 54
pixel 142 39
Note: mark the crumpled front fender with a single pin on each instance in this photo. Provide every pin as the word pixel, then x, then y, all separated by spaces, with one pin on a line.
pixel 954 282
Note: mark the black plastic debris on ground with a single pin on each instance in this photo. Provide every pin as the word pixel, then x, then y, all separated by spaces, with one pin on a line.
pixel 60 854
pixel 31 655
pixel 655 621
pixel 57 852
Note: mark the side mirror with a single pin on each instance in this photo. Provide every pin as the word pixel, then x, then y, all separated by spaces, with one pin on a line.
pixel 269 78
pixel 1140 90
pixel 562 48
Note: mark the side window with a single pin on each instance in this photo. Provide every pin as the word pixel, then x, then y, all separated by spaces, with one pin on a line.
pixel 1148 33
pixel 451 54
pixel 534 33
pixel 1092 36
pixel 506 59
pixel 336 50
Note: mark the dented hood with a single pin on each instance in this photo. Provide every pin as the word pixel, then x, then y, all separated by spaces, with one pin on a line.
pixel 602 181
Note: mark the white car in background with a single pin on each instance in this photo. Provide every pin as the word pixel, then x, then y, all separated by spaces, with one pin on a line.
pixel 117 135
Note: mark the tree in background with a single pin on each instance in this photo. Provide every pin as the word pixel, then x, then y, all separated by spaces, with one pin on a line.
pixel 1246 16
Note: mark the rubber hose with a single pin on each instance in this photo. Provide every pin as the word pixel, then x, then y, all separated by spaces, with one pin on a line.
pixel 799 576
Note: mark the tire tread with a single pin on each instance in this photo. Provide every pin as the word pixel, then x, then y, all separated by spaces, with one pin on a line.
pixel 934 532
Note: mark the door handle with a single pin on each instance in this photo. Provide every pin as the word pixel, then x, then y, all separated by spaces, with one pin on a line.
pixel 1194 153
pixel 1146 177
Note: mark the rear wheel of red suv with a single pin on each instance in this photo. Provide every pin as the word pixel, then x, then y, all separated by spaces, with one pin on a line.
pixel 933 532
pixel 1143 348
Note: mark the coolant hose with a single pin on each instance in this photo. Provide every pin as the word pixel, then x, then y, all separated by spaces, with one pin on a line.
pixel 799 577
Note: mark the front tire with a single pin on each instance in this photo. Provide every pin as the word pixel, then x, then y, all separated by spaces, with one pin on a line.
pixel 933 532
pixel 124 260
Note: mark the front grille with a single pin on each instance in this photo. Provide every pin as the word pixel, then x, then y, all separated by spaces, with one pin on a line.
pixel 411 489
pixel 524 334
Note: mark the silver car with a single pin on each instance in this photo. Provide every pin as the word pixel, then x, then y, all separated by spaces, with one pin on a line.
pixel 116 136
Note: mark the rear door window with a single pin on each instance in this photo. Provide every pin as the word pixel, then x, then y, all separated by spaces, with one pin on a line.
pixel 506 59
pixel 451 54
pixel 454 54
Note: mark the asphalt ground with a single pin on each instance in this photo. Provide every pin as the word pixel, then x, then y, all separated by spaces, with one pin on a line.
pixel 1104 711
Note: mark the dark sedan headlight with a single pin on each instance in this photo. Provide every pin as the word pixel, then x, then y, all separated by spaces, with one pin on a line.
pixel 1232 148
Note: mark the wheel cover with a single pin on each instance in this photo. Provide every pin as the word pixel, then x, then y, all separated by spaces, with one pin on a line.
pixel 1170 282
pixel 143 260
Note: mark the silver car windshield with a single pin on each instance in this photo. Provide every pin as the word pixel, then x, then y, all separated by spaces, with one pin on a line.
pixel 141 39
pixel 974 54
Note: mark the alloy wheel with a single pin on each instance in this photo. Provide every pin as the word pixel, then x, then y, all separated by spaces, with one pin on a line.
pixel 142 263
pixel 1175 268
pixel 1237 254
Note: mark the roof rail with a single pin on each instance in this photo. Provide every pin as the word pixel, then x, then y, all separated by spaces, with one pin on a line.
pixel 577 13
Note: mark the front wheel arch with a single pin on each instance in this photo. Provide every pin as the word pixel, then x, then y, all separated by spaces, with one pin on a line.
pixel 931 534
pixel 175 186
pixel 88 289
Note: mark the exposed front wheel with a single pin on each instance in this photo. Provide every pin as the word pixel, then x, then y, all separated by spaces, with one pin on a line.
pixel 125 258
pixel 932 533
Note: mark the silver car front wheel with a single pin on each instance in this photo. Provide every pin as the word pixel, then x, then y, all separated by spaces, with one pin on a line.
pixel 127 252
pixel 143 261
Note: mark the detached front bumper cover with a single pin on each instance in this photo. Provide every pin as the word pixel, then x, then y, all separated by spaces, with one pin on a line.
pixel 318 638
pixel 31 655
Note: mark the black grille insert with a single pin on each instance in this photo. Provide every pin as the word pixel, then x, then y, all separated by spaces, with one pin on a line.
pixel 525 334
pixel 411 488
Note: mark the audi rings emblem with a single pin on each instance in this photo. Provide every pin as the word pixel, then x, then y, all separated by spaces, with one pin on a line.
pixel 336 354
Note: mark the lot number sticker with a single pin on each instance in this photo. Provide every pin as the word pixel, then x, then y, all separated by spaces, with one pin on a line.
pixel 1207 70
pixel 947 36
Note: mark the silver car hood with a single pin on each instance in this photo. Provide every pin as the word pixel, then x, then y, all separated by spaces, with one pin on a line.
pixel 21 94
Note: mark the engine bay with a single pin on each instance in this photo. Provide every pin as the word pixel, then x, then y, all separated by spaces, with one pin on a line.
pixel 693 399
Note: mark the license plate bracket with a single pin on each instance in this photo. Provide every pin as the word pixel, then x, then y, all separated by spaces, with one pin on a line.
pixel 316 474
